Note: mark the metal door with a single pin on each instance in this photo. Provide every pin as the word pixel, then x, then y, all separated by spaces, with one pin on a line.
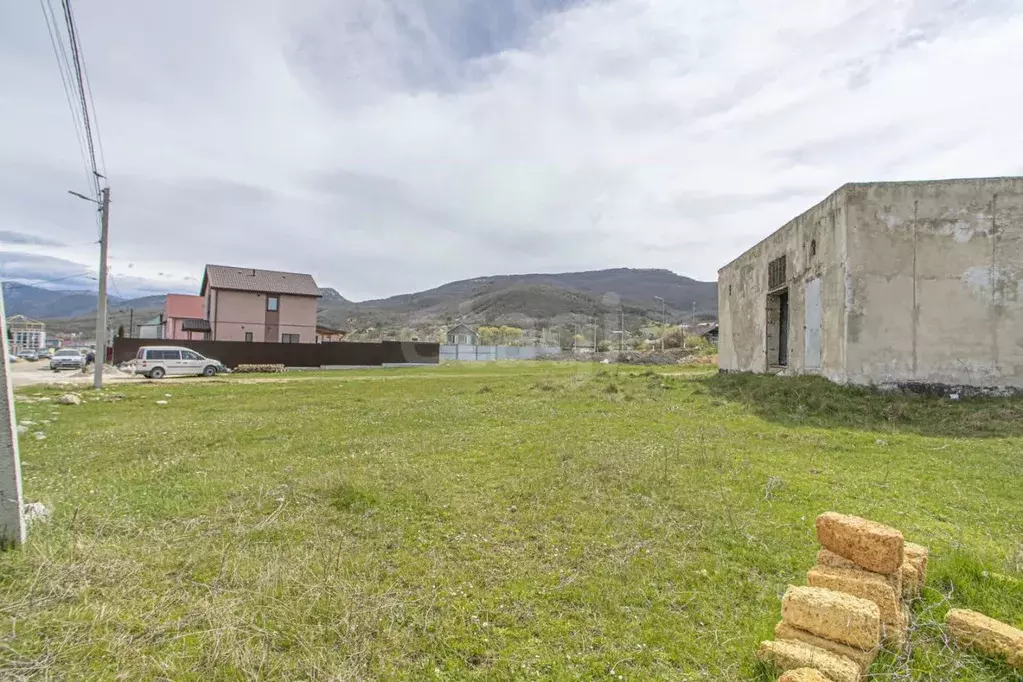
pixel 773 315
pixel 813 320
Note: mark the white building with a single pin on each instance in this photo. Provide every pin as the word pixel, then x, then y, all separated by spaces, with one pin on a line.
pixel 26 334
pixel 885 283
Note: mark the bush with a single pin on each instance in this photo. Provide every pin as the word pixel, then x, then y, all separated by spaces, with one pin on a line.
pixel 674 338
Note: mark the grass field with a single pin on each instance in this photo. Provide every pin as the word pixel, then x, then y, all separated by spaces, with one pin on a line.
pixel 532 521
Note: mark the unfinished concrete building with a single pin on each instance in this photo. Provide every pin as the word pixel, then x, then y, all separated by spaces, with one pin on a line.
pixel 904 283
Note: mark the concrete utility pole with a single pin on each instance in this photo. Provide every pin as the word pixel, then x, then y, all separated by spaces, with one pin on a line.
pixel 12 520
pixel 694 314
pixel 658 298
pixel 101 307
pixel 101 303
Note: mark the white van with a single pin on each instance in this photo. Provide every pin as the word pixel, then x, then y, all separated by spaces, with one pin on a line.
pixel 156 362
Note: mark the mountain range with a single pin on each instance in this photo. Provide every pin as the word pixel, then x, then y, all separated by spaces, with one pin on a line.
pixel 516 300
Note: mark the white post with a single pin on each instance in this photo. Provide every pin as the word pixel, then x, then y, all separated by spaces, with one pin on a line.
pixel 12 521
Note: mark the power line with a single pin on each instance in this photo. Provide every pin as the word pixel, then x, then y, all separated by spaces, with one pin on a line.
pixel 63 65
pixel 88 92
pixel 76 57
pixel 116 289
pixel 12 283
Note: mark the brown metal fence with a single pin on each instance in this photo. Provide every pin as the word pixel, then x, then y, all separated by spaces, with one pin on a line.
pixel 234 353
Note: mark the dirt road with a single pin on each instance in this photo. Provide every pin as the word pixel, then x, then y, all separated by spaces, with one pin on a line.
pixel 25 373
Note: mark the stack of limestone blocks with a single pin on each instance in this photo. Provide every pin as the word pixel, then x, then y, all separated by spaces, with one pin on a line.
pixel 856 601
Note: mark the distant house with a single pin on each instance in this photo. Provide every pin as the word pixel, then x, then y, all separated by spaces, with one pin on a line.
pixel 328 334
pixel 184 318
pixel 247 304
pixel 26 334
pixel 711 335
pixel 463 334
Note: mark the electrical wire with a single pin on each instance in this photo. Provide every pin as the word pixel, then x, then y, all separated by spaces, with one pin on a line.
pixel 76 57
pixel 88 92
pixel 12 283
pixel 63 65
pixel 112 282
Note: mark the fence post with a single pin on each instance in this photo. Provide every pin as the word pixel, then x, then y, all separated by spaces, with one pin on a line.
pixel 12 521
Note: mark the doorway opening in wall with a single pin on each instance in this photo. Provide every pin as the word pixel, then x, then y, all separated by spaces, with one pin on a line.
pixel 778 328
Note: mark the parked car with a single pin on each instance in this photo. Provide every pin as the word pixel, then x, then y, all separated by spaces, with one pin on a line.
pixel 28 354
pixel 12 358
pixel 156 362
pixel 67 358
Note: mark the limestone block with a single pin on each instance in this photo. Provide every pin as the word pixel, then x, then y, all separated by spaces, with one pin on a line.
pixel 786 656
pixel 859 583
pixel 917 556
pixel 826 557
pixel 994 638
pixel 896 634
pixel 861 658
pixel 803 675
pixel 833 615
pixel 910 581
pixel 871 545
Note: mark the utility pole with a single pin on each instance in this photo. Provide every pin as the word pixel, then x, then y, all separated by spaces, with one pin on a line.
pixel 101 302
pixel 12 520
pixel 658 298
pixel 101 307
pixel 131 323
pixel 694 314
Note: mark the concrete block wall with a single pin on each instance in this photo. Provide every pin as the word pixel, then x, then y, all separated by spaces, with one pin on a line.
pixel 12 522
pixel 936 282
pixel 922 283
pixel 814 245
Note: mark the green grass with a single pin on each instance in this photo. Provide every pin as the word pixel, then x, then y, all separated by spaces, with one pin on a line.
pixel 530 521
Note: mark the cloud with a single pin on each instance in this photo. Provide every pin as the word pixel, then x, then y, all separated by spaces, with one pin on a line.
pixel 12 237
pixel 387 146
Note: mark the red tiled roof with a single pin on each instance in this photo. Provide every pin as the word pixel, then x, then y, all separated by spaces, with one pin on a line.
pixel 264 281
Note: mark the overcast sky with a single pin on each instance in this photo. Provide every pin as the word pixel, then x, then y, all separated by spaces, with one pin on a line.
pixel 387 146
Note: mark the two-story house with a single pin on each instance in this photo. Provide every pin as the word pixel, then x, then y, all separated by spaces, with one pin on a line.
pixel 183 318
pixel 246 304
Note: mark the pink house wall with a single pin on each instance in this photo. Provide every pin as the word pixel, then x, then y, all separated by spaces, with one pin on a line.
pixel 233 313
pixel 180 307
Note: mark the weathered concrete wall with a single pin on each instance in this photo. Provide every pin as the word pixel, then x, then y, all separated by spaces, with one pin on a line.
pixel 743 289
pixel 936 282
pixel 12 522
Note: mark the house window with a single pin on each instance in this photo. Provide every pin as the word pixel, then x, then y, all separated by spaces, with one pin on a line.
pixel 776 273
pixel 289 338
pixel 248 336
pixel 272 303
